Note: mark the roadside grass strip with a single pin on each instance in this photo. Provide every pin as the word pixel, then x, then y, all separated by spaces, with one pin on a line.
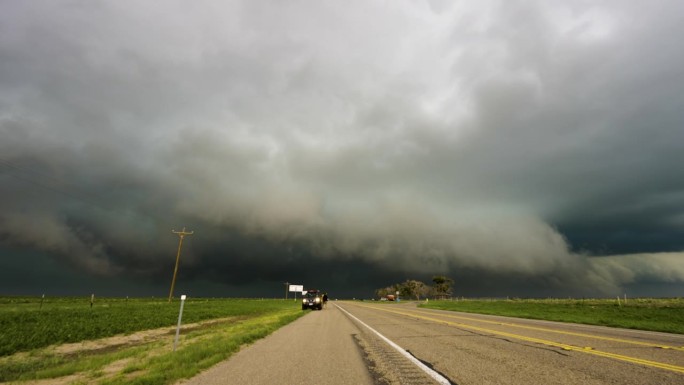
pixel 202 353
pixel 653 314
pixel 433 374
pixel 567 347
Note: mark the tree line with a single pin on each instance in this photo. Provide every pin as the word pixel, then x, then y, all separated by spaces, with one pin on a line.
pixel 414 289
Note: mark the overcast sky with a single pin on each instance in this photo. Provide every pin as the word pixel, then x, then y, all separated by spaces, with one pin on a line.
pixel 522 148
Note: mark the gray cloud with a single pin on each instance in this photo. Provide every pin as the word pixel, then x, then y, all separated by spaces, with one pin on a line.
pixel 378 141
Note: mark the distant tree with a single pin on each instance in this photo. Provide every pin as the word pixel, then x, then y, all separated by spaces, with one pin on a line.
pixel 442 286
pixel 413 289
pixel 385 291
pixel 405 290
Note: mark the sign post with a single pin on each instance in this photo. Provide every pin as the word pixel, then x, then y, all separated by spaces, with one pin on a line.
pixel 180 316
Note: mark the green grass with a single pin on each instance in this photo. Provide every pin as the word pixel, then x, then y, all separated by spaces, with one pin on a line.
pixel 202 353
pixel 152 362
pixel 664 315
pixel 54 366
pixel 27 325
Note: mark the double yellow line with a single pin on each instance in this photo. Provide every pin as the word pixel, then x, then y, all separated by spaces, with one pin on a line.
pixel 587 350
pixel 547 330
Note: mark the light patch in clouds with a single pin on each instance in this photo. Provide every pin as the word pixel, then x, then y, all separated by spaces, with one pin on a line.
pixel 650 267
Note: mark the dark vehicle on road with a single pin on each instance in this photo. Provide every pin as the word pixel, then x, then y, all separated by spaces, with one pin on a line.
pixel 313 299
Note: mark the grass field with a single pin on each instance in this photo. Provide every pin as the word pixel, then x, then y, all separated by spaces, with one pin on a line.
pixel 26 324
pixel 34 337
pixel 664 315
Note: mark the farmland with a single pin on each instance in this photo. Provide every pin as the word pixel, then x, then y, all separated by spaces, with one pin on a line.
pixel 34 335
pixel 27 324
pixel 664 315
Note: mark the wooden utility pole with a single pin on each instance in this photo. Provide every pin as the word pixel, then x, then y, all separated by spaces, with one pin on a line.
pixel 181 234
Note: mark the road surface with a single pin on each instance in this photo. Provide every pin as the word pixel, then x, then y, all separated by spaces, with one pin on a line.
pixel 345 344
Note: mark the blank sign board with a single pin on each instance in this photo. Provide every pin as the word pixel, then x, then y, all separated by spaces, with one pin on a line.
pixel 296 287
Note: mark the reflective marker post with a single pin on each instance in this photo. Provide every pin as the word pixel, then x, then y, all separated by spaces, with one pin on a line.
pixel 180 316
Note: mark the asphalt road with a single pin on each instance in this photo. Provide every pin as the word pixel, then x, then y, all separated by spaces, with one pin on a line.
pixel 337 346
pixel 318 348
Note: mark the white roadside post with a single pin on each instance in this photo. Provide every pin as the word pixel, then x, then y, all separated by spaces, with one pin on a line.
pixel 180 316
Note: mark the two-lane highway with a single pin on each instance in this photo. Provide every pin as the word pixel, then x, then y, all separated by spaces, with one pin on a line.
pixel 478 349
pixel 398 343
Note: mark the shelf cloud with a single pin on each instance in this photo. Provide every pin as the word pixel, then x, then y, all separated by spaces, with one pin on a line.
pixel 520 148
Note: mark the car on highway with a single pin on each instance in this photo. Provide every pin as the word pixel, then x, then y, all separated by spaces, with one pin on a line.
pixel 313 299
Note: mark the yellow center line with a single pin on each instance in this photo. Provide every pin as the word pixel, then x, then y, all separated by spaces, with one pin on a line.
pixel 660 365
pixel 576 334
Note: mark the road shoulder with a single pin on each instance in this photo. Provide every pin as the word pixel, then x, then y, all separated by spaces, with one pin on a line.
pixel 319 348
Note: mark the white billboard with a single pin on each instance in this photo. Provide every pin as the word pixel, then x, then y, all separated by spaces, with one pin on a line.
pixel 299 288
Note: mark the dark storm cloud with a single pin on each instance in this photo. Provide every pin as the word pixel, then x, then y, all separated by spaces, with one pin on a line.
pixel 352 144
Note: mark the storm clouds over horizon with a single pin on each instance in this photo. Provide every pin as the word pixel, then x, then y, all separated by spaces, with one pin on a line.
pixel 522 148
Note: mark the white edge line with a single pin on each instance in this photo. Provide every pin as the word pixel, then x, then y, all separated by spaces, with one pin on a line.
pixel 436 376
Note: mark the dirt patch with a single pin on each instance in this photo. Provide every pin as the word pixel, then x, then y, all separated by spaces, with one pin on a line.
pixel 66 380
pixel 138 338
pixel 104 346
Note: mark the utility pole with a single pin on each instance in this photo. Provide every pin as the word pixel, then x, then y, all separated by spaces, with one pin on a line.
pixel 287 286
pixel 181 234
